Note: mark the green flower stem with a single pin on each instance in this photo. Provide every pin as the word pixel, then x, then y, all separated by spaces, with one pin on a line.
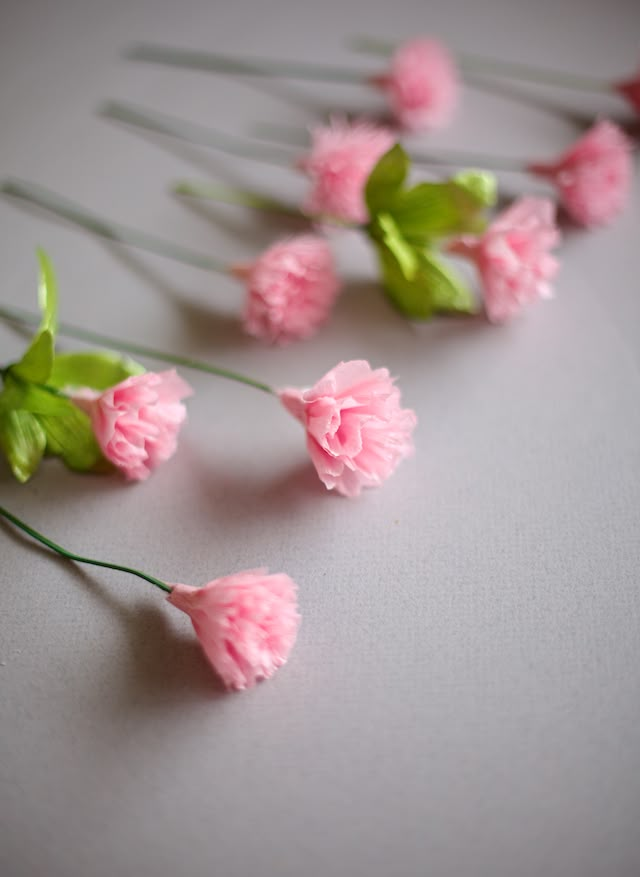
pixel 78 558
pixel 219 63
pixel 229 195
pixel 193 133
pixel 17 315
pixel 41 197
pixel 470 63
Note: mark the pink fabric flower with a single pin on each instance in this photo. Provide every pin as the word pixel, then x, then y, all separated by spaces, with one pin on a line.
pixel 594 176
pixel 630 89
pixel 512 257
pixel 357 433
pixel 422 85
pixel 246 623
pixel 136 423
pixel 291 289
pixel 341 158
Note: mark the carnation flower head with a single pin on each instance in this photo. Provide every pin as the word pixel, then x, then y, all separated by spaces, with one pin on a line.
pixel 246 623
pixel 357 432
pixel 339 163
pixel 512 257
pixel 291 289
pixel 630 89
pixel 422 84
pixel 593 177
pixel 136 422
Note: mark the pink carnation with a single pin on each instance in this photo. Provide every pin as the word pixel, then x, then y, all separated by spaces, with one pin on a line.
pixel 422 85
pixel 342 156
pixel 594 176
pixel 246 623
pixel 512 257
pixel 357 433
pixel 136 423
pixel 630 89
pixel 291 289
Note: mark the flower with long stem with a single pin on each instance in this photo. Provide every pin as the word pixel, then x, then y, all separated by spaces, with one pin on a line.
pixel 302 281
pixel 472 64
pixel 246 622
pixel 421 82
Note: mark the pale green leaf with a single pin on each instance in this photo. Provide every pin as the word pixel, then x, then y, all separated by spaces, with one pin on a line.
pixel 386 180
pixel 35 365
pixel 47 293
pixel 97 370
pixel 70 436
pixel 22 441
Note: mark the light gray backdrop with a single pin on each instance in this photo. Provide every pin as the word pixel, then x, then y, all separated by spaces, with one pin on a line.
pixel 464 699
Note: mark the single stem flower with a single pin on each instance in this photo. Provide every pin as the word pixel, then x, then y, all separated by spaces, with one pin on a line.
pixel 136 422
pixel 593 177
pixel 247 622
pixel 421 82
pixel 357 433
pixel 512 257
pixel 471 64
pixel 293 305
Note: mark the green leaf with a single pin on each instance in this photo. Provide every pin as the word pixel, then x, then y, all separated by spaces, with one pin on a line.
pixel 35 365
pixel 385 230
pixel 68 429
pixel 481 186
pixel 432 288
pixel 386 180
pixel 47 293
pixel 455 206
pixel 71 437
pixel 449 293
pixel 23 441
pixel 97 370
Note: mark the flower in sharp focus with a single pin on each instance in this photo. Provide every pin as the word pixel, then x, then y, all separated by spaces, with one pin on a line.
pixel 246 623
pixel 341 157
pixel 291 289
pixel 593 177
pixel 630 89
pixel 512 256
pixel 136 422
pixel 422 85
pixel 357 433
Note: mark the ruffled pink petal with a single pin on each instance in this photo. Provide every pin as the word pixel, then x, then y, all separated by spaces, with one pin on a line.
pixel 512 257
pixel 136 423
pixel 291 290
pixel 338 165
pixel 247 623
pixel 357 432
pixel 593 177
pixel 422 85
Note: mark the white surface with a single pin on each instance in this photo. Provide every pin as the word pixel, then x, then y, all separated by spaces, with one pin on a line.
pixel 463 698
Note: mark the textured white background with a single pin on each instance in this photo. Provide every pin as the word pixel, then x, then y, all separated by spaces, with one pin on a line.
pixel 464 698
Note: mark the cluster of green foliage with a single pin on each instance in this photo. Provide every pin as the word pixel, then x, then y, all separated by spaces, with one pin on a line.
pixel 405 224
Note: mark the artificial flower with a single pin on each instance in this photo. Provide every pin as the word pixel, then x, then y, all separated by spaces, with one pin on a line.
pixel 512 257
pixel 136 422
pixel 421 85
pixel 593 177
pixel 246 623
pixel 291 289
pixel 341 157
pixel 357 433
